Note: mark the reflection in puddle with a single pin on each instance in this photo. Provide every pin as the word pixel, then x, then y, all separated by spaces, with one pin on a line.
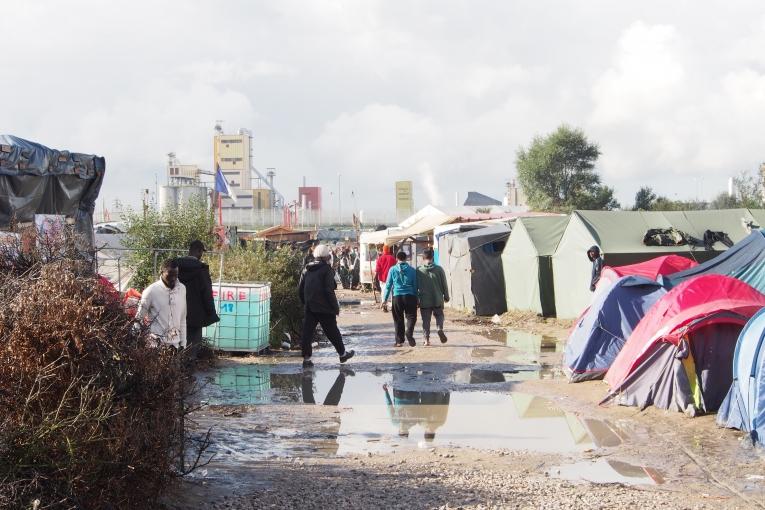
pixel 523 347
pixel 378 412
pixel 608 471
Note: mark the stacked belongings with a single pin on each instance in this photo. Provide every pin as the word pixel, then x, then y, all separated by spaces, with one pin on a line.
pixel 744 406
pixel 680 356
pixel 600 333
pixel 651 269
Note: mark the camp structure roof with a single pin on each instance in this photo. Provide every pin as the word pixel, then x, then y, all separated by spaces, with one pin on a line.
pixel 378 236
pixel 281 233
pixel 619 234
pixel 475 199
pixel 420 226
pixel 527 263
pixel 680 355
pixel 745 260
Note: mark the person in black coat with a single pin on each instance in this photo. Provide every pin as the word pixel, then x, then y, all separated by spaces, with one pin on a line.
pixel 200 306
pixel 317 293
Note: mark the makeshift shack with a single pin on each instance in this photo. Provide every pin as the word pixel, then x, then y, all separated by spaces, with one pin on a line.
pixel 36 180
pixel 620 236
pixel 527 263
pixel 475 270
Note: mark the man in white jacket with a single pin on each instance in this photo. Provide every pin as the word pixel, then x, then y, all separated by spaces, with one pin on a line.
pixel 164 303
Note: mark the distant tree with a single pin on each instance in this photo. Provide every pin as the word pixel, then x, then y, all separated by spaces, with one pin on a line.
pixel 666 204
pixel 644 199
pixel 725 201
pixel 748 188
pixel 557 172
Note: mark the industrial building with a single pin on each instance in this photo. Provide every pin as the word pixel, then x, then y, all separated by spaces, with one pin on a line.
pixel 183 184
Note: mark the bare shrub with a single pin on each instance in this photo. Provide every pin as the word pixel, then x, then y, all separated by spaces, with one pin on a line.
pixel 90 416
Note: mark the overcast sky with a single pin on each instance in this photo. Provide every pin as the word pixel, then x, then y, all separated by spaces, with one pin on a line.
pixel 442 92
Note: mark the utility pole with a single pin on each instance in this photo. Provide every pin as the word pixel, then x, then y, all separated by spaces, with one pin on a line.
pixel 339 202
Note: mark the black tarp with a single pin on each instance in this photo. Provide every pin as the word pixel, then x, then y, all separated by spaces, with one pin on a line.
pixel 37 180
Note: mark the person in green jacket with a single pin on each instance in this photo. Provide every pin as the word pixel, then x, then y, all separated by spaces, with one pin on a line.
pixel 432 292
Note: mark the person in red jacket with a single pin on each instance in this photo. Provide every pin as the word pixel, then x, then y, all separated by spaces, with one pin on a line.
pixel 384 263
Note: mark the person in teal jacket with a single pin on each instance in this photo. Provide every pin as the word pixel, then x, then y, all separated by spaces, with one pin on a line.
pixel 402 284
pixel 432 292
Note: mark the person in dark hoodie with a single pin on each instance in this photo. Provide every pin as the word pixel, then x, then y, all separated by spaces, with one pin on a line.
pixel 597 266
pixel 432 293
pixel 200 306
pixel 317 293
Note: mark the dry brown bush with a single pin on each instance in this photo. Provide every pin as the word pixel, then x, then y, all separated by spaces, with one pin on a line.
pixel 90 416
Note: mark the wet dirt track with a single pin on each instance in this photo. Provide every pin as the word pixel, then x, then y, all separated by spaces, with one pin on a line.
pixel 483 421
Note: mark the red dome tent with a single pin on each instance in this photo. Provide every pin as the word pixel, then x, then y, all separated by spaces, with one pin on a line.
pixel 651 269
pixel 680 355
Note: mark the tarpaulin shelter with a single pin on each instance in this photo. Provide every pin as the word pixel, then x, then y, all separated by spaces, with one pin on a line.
pixel 659 266
pixel 620 234
pixel 744 406
pixel 452 228
pixel 744 261
pixel 601 332
pixel 37 180
pixel 527 263
pixel 475 270
pixel 680 355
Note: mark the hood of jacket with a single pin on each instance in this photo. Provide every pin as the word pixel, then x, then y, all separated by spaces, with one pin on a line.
pixel 189 268
pixel 428 267
pixel 594 250
pixel 315 265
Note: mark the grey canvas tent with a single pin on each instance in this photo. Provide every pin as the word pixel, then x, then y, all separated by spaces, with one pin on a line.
pixel 475 270
pixel 619 234
pixel 527 263
pixel 37 180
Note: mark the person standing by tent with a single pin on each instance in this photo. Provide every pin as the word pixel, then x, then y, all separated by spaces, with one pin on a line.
pixel 383 265
pixel 163 303
pixel 597 266
pixel 402 284
pixel 355 260
pixel 317 293
pixel 200 306
pixel 432 292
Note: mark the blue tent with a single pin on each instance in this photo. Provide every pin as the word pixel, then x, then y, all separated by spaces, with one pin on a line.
pixel 601 331
pixel 744 406
pixel 744 260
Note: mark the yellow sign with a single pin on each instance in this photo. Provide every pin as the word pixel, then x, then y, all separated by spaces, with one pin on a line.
pixel 404 199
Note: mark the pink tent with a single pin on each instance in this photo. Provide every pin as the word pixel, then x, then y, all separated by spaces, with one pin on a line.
pixel 680 354
pixel 650 269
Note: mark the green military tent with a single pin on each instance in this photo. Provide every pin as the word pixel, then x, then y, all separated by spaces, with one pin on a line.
pixel 619 234
pixel 527 263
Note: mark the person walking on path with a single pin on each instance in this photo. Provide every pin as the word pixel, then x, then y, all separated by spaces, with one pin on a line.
pixel 402 284
pixel 383 265
pixel 200 306
pixel 163 303
pixel 317 293
pixel 432 292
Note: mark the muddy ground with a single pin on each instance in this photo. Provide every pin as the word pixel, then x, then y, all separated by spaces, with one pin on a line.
pixel 486 420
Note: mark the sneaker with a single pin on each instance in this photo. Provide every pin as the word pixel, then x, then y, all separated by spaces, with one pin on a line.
pixel 442 336
pixel 348 355
pixel 307 363
pixel 398 344
pixel 412 343
pixel 427 342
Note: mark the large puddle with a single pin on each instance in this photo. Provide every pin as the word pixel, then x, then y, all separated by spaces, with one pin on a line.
pixel 377 412
pixel 521 347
